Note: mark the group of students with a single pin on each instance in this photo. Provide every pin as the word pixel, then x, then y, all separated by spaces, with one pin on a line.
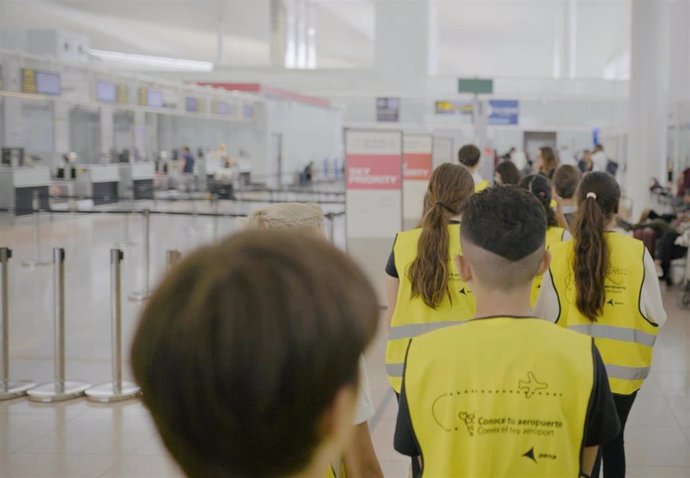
pixel 514 350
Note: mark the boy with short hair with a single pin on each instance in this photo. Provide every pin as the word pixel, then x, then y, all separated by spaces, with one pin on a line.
pixel 505 394
pixel 469 156
pixel 565 183
pixel 248 352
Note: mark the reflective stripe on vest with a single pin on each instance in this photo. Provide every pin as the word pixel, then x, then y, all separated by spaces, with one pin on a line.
pixel 500 397
pixel 412 317
pixel 616 333
pixel 622 334
pixel 554 235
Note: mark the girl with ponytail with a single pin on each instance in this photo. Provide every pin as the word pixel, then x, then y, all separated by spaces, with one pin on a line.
pixel 604 284
pixel 541 188
pixel 423 286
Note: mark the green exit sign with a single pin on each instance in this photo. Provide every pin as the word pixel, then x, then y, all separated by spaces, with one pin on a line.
pixel 476 86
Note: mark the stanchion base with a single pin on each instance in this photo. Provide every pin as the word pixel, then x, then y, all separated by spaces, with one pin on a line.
pixel 35 264
pixel 49 392
pixel 15 389
pixel 139 296
pixel 108 392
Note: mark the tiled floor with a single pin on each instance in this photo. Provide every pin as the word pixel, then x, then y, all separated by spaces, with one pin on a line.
pixel 81 439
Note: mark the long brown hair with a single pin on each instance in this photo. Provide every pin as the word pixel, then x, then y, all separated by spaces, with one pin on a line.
pixel 597 199
pixel 450 185
pixel 549 161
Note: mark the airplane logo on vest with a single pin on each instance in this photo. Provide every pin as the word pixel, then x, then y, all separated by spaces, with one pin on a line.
pixel 530 454
pixel 464 291
pixel 531 385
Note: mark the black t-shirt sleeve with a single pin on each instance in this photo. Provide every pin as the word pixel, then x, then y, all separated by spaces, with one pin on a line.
pixel 603 424
pixel 404 440
pixel 391 270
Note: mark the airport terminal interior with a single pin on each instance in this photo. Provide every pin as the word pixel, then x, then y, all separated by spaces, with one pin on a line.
pixel 133 133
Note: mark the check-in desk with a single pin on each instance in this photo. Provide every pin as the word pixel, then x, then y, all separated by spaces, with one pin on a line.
pixel 18 186
pixel 136 180
pixel 98 181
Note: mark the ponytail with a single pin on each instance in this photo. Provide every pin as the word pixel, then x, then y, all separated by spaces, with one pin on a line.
pixel 597 198
pixel 540 187
pixel 429 271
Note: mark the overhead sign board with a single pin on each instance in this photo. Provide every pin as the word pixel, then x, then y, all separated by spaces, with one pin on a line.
pixel 504 112
pixel 476 86
pixel 40 82
pixel 388 110
pixel 464 108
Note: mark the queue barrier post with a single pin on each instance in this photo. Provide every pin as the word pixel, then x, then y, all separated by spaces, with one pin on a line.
pixel 145 293
pixel 37 261
pixel 60 389
pixel 127 240
pixel 215 217
pixel 8 389
pixel 116 390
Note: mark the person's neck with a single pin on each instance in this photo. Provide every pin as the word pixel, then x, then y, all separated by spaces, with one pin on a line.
pixel 496 303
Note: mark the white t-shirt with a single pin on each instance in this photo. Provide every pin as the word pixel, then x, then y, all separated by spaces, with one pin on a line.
pixel 365 405
pixel 599 161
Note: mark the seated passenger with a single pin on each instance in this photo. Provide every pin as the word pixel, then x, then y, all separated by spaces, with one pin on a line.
pixel 505 394
pixel 360 458
pixel 507 174
pixel 248 353
pixel 470 156
pixel 541 188
pixel 565 182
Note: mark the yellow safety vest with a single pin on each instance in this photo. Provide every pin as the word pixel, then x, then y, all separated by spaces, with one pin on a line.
pixel 499 397
pixel 413 317
pixel 554 235
pixel 482 185
pixel 624 336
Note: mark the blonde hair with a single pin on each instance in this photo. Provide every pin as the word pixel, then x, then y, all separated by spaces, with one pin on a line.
pixel 290 215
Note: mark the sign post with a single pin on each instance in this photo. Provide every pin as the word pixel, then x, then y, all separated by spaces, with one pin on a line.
pixel 373 198
pixel 443 151
pixel 417 165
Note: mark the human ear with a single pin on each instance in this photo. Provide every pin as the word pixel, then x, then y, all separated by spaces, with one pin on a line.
pixel 545 263
pixel 463 268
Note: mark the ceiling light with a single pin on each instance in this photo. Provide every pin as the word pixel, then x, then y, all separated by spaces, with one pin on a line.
pixel 152 62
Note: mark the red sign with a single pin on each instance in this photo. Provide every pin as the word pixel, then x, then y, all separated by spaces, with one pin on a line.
pixel 417 167
pixel 366 171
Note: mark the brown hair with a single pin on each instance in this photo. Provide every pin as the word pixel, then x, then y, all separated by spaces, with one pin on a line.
pixel 244 347
pixel 540 187
pixel 549 163
pixel 597 199
pixel 565 181
pixel 449 187
pixel 509 173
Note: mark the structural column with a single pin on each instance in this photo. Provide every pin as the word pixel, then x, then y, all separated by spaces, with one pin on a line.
pixel 648 104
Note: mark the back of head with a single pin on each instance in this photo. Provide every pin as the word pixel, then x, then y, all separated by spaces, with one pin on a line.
pixel 503 233
pixel 540 187
pixel 245 345
pixel 597 199
pixel 509 173
pixel 449 187
pixel 565 181
pixel 307 216
pixel 469 155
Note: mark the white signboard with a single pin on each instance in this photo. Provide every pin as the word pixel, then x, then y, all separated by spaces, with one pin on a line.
pixel 417 166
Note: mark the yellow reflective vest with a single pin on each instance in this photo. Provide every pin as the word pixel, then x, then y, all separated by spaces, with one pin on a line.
pixel 412 316
pixel 482 185
pixel 623 335
pixel 499 397
pixel 554 235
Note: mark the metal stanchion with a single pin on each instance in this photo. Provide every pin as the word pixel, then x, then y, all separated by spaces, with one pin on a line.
pixel 36 261
pixel 215 218
pixel 331 227
pixel 194 226
pixel 146 291
pixel 117 389
pixel 172 257
pixel 15 388
pixel 61 389
pixel 127 240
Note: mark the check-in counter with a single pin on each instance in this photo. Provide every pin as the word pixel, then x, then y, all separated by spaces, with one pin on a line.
pixel 18 186
pixel 136 180
pixel 98 181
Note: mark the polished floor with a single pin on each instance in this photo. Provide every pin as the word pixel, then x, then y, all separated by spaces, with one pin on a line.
pixel 82 439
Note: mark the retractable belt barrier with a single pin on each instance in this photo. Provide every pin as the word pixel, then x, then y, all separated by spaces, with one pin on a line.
pixel 60 389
